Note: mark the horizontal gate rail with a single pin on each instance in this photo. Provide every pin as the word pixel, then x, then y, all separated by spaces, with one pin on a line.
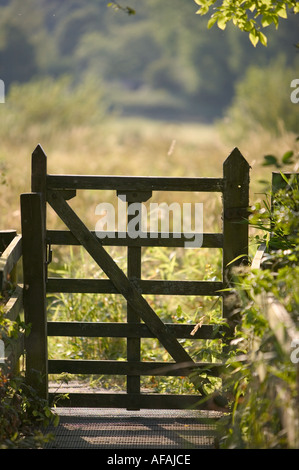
pixel 129 401
pixel 173 239
pixel 129 330
pixel 81 366
pixel 135 183
pixel 105 286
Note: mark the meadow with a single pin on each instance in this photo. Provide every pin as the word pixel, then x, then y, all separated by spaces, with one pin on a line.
pixel 132 146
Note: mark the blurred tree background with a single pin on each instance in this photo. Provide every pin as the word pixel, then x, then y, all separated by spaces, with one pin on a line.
pixel 162 62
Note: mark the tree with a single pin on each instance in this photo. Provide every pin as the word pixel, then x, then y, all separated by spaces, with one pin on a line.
pixel 13 42
pixel 248 15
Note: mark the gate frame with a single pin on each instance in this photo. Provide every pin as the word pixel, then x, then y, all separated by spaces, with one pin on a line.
pixel 56 190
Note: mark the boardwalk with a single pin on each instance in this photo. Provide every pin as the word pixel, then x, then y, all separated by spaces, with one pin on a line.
pixel 98 428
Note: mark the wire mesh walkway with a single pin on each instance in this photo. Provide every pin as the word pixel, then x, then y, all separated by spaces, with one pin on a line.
pixel 146 429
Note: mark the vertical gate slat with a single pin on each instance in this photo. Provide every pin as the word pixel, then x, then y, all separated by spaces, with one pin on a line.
pixel 133 344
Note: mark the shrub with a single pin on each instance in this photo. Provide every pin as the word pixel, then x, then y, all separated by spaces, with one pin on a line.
pixel 22 412
pixel 44 107
pixel 262 101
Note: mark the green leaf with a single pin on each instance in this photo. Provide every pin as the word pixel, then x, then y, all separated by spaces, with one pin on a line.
pixel 130 11
pixel 263 181
pixel 212 21
pixel 48 413
pixel 203 10
pixel 271 160
pixel 282 12
pixel 262 38
pixel 284 177
pixel 287 157
pixel 116 6
pixel 238 257
pixel 254 39
pixel 221 23
pixel 267 20
pixel 56 420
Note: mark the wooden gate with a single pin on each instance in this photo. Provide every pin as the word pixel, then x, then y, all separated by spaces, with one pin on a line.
pixel 142 321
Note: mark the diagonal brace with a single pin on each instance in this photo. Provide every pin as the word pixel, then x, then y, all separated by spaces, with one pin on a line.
pixel 117 276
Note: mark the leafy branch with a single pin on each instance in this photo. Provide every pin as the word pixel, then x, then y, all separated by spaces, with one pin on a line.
pixel 116 6
pixel 248 15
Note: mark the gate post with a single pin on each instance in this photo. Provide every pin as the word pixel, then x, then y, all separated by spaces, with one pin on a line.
pixel 235 211
pixel 33 244
pixel 33 218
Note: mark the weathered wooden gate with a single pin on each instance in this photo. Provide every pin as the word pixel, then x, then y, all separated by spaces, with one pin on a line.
pixel 142 321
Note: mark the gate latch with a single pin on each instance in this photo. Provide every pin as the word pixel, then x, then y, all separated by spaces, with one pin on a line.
pixel 48 257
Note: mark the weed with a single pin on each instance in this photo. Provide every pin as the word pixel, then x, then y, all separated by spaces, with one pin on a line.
pixel 260 374
pixel 23 414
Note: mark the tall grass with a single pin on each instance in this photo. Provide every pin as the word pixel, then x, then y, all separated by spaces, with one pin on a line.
pixel 262 373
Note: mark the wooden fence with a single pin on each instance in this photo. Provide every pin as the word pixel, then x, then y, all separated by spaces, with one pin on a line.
pixel 142 321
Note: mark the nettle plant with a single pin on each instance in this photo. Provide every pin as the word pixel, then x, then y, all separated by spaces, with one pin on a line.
pixel 261 378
